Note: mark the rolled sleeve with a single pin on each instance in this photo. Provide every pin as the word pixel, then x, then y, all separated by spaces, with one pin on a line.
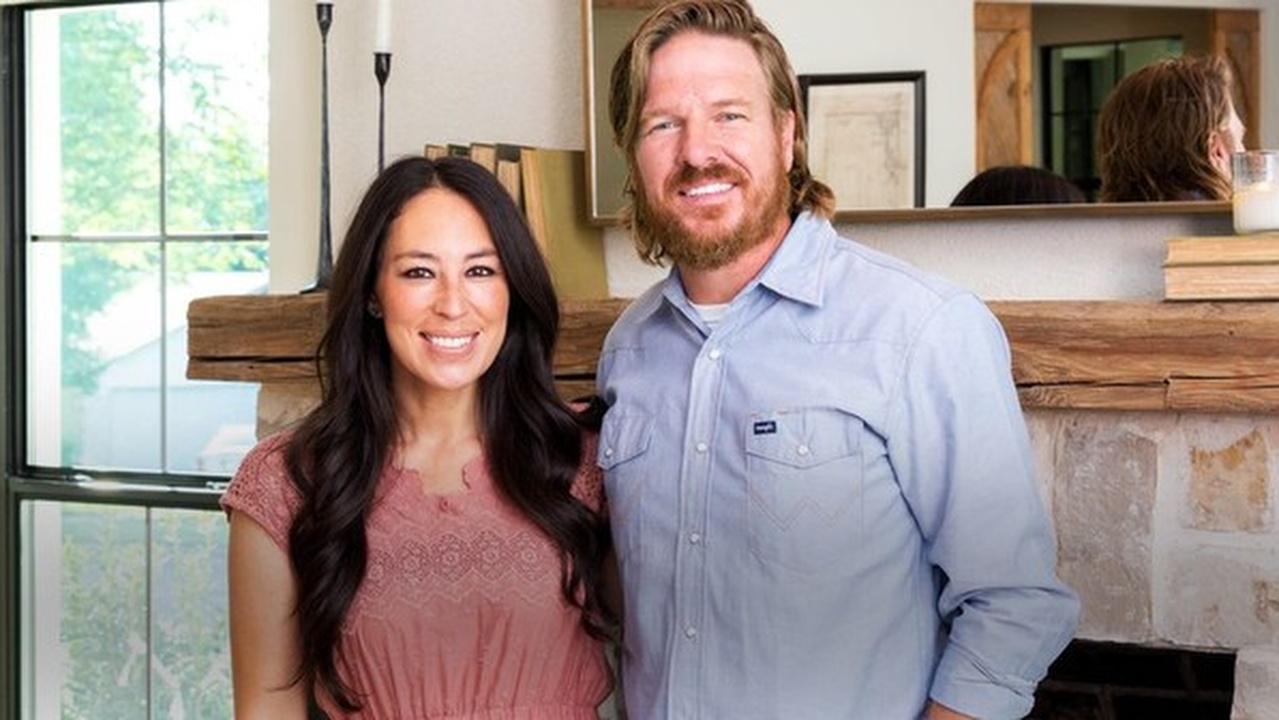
pixel 962 453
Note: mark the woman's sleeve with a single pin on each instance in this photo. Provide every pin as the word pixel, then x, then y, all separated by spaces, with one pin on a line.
pixel 262 490
pixel 588 486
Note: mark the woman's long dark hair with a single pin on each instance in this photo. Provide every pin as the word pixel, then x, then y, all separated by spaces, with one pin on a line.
pixel 338 453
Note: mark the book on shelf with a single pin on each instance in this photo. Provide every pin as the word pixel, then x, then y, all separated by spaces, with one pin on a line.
pixel 1255 281
pixel 501 159
pixel 1222 268
pixel 554 190
pixel 550 187
pixel 508 171
pixel 485 154
pixel 1223 250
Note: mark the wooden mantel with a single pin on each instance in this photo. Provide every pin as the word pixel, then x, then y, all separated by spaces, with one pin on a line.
pixel 1115 355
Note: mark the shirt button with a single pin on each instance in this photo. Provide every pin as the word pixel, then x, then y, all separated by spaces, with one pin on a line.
pixel 608 452
pixel 715 353
pixel 690 632
pixel 802 450
pixel 702 447
pixel 695 537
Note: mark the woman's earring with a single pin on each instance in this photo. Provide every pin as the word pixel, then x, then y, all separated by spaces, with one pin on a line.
pixel 375 311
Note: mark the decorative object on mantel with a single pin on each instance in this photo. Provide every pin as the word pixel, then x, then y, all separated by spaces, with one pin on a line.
pixel 1255 191
pixel 1222 268
pixel 553 184
pixel 324 263
pixel 382 70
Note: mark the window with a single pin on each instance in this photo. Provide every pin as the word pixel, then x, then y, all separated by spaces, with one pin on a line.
pixel 134 181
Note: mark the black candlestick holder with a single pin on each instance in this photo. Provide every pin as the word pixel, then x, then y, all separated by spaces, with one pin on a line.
pixel 324 263
pixel 381 70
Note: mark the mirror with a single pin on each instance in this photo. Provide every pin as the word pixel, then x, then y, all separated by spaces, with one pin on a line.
pixel 606 28
pixel 953 138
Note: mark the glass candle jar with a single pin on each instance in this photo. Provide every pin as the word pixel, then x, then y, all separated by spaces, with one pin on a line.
pixel 1255 197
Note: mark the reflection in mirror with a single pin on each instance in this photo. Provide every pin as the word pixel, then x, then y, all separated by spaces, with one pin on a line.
pixel 608 26
pixel 1011 102
pixel 1079 78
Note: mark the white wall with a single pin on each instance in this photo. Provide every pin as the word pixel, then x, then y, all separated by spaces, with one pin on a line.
pixel 503 70
pixel 1097 256
pixel 461 70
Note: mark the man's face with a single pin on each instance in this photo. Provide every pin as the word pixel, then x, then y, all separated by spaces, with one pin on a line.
pixel 1227 141
pixel 711 155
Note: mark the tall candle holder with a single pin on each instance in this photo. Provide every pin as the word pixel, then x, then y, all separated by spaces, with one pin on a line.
pixel 324 264
pixel 381 70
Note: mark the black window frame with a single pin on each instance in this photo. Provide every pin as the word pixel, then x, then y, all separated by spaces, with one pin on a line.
pixel 24 481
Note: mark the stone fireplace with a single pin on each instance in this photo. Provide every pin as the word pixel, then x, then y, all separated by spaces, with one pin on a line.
pixel 1156 444
pixel 1165 528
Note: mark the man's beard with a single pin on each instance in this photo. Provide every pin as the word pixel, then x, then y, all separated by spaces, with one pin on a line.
pixel 765 206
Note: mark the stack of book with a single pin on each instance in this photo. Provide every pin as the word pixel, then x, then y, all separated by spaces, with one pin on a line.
pixel 1244 267
pixel 550 186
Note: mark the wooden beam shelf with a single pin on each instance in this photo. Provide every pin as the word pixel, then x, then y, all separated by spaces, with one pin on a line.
pixel 1113 355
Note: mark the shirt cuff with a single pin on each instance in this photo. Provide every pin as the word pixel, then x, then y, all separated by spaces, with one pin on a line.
pixel 961 684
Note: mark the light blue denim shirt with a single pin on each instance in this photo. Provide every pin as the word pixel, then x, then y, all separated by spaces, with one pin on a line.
pixel 824 507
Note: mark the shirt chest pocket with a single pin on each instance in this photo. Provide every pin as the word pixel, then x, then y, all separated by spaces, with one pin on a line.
pixel 623 448
pixel 804 487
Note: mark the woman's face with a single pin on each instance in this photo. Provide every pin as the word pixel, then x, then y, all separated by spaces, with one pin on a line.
pixel 442 294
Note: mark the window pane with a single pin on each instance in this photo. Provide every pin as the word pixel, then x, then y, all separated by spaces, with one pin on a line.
pixel 216 117
pixel 191 665
pixel 1137 54
pixel 96 364
pixel 124 612
pixel 94 77
pixel 209 425
pixel 88 605
pixel 94 395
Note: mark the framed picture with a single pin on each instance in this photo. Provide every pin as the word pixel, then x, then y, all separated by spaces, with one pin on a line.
pixel 866 137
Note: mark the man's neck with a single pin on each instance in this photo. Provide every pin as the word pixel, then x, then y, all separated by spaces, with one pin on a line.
pixel 722 284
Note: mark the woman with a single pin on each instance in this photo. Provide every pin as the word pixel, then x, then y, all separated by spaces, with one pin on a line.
pixel 1017 185
pixel 427 541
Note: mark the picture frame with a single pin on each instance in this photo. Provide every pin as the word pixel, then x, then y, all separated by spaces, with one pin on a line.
pixel 866 137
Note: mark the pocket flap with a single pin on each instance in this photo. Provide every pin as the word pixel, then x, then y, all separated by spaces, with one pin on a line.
pixel 802 438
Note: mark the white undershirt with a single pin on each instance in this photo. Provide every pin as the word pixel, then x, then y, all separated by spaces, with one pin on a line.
pixel 711 314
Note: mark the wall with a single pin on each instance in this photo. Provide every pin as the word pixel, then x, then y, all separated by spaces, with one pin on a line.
pixel 1017 256
pixel 460 74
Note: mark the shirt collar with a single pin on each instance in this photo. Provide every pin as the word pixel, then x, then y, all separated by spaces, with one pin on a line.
pixel 795 270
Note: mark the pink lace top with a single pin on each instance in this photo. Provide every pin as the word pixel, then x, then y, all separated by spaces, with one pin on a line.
pixel 460 614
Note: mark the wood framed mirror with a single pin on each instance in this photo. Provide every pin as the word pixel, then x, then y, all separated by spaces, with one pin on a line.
pixel 1004 123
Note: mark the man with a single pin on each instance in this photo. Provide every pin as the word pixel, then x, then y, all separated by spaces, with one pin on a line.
pixel 816 466
pixel 1167 133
